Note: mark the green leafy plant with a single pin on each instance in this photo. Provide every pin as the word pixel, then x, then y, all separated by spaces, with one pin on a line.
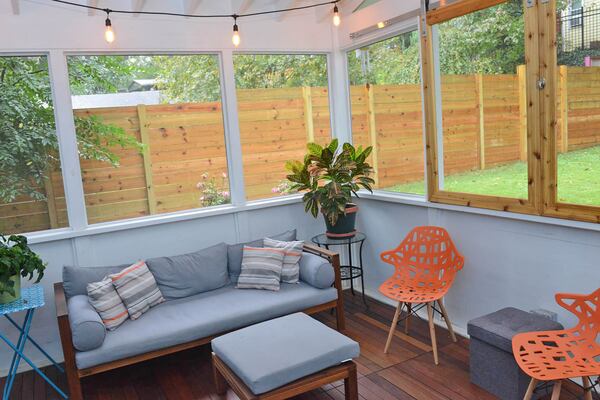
pixel 330 176
pixel 16 258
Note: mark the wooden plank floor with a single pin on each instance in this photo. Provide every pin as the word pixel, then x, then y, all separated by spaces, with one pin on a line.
pixel 406 373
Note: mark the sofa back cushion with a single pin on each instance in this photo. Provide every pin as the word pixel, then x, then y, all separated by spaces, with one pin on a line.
pixel 76 279
pixel 235 252
pixel 189 274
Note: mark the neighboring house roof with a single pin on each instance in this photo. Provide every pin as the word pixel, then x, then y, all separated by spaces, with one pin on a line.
pixel 115 99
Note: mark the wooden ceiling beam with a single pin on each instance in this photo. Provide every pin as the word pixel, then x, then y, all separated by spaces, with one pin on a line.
pixel 16 7
pixel 288 4
pixel 190 6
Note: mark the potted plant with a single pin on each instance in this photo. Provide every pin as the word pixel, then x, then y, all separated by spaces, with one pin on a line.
pixel 330 176
pixel 17 260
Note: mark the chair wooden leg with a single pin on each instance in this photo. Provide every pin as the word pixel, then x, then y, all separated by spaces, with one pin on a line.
pixel 393 327
pixel 408 314
pixel 530 389
pixel 448 323
pixel 587 384
pixel 556 390
pixel 432 333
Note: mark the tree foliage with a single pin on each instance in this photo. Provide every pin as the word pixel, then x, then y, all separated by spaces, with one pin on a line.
pixel 28 138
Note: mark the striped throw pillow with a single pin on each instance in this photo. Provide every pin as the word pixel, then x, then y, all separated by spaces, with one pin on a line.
pixel 104 298
pixel 137 288
pixel 261 268
pixel 290 273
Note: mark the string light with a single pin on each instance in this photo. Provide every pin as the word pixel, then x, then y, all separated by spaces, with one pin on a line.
pixel 336 16
pixel 235 39
pixel 109 34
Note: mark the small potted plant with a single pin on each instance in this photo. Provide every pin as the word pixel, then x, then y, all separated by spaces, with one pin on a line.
pixel 17 260
pixel 330 176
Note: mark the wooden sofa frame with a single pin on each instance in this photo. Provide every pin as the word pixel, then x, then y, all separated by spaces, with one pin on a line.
pixel 74 375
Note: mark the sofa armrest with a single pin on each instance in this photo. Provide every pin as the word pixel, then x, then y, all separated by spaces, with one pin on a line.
pixel 334 259
pixel 60 300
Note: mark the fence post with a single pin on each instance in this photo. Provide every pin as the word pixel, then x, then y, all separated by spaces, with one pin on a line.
pixel 145 137
pixel 308 113
pixel 481 142
pixel 51 200
pixel 373 132
pixel 522 77
pixel 564 110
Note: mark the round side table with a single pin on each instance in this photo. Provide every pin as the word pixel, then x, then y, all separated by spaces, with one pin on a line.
pixel 349 272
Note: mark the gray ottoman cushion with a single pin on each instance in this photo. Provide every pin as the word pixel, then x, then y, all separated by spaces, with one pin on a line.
pixel 498 328
pixel 274 353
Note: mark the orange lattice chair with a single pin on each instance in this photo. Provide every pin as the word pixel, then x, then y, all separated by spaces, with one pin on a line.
pixel 426 263
pixel 563 354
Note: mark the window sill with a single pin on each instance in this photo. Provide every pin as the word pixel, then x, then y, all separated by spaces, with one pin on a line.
pixel 421 201
pixel 108 227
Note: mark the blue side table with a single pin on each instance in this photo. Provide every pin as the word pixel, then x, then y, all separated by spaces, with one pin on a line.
pixel 31 299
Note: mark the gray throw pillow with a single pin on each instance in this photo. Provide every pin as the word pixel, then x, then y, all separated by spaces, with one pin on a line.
pixel 76 279
pixel 189 274
pixel 234 252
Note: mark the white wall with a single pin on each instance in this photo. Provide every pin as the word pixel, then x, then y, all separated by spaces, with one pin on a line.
pixel 509 262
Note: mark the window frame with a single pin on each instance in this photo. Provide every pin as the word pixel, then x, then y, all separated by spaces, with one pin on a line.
pixel 229 140
pixel 407 25
pixel 330 98
pixel 531 205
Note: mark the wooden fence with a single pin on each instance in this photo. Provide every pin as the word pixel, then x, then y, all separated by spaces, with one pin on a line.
pixel 484 122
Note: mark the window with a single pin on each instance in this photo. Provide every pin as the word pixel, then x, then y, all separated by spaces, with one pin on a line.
pixel 150 133
pixel 573 152
pixel 386 102
pixel 283 104
pixel 478 105
pixel 31 189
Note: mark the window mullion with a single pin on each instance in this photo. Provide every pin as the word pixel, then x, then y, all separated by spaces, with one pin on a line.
pixel 67 140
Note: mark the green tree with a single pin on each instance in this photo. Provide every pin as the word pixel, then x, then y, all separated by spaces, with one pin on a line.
pixel 28 141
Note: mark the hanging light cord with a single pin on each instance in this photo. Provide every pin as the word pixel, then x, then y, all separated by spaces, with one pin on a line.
pixel 173 14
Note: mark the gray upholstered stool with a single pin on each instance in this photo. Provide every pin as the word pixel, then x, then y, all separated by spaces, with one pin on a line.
pixel 493 366
pixel 283 358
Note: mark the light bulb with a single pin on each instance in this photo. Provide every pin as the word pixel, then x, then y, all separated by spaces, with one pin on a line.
pixel 109 34
pixel 336 16
pixel 235 39
pixel 381 25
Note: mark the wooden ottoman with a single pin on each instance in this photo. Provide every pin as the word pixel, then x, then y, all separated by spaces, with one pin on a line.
pixel 284 357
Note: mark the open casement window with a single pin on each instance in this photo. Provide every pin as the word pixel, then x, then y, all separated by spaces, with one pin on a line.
pixel 571 120
pixel 480 71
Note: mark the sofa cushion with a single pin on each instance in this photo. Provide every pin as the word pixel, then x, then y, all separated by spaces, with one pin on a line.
pixel 261 268
pixel 108 304
pixel 234 252
pixel 76 279
pixel 205 314
pixel 87 328
pixel 498 328
pixel 189 274
pixel 290 273
pixel 137 288
pixel 297 345
pixel 316 271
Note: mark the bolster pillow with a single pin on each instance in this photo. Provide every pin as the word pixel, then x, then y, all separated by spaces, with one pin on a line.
pixel 316 271
pixel 87 328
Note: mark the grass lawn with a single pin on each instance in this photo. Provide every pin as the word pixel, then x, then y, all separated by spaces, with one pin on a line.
pixel 578 179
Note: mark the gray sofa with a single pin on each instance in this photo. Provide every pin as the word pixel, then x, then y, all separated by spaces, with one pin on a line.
pixel 201 303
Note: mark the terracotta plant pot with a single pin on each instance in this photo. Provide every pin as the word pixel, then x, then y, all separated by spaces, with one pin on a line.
pixel 7 297
pixel 345 225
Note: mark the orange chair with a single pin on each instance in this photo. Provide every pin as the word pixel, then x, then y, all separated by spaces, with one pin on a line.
pixel 563 354
pixel 426 263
